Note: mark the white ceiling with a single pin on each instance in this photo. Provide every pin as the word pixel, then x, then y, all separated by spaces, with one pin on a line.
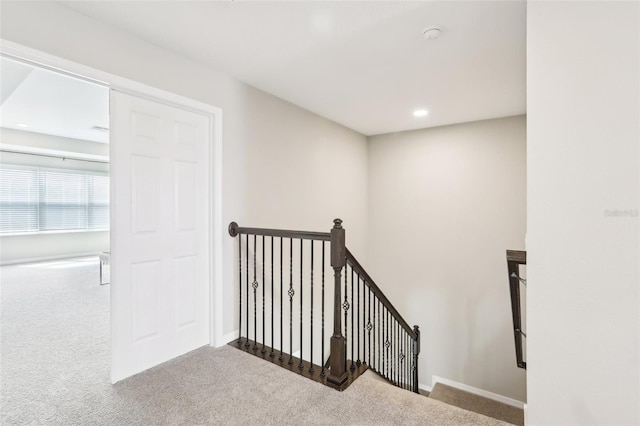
pixel 362 64
pixel 41 101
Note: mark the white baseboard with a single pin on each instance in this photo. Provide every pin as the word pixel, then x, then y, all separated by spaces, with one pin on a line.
pixel 424 387
pixel 46 258
pixel 480 392
pixel 226 338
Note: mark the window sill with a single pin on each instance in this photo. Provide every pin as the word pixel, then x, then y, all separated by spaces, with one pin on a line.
pixel 63 231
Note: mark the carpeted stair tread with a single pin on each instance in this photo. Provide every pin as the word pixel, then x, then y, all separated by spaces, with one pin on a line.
pixel 477 404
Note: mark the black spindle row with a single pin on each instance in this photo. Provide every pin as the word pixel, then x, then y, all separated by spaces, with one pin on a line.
pixel 298 265
pixel 376 335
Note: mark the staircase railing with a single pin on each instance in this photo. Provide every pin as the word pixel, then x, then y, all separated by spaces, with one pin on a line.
pixel 515 259
pixel 389 345
pixel 284 289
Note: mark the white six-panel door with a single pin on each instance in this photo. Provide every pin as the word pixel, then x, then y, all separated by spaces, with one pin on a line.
pixel 160 258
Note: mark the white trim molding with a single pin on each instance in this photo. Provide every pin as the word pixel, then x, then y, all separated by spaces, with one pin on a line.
pixel 227 338
pixel 424 387
pixel 67 155
pixel 47 258
pixel 476 391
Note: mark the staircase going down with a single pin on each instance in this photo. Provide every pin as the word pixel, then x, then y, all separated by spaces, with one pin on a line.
pixel 477 404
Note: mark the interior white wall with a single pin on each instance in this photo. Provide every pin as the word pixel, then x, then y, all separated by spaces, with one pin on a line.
pixel 583 257
pixel 282 166
pixel 445 203
pixel 24 247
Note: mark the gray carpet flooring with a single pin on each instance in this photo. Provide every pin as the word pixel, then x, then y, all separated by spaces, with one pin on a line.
pixel 55 370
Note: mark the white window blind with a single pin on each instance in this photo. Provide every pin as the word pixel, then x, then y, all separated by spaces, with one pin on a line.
pixel 18 200
pixel 98 202
pixel 49 200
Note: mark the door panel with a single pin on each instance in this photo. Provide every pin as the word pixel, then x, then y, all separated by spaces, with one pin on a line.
pixel 160 232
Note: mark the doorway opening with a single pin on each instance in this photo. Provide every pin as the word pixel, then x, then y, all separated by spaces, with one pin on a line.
pixel 54 225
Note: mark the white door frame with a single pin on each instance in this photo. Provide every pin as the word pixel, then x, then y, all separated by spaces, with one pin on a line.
pixel 111 81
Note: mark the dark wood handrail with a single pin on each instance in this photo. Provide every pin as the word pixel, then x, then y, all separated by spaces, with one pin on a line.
pixel 234 230
pixel 379 294
pixel 515 258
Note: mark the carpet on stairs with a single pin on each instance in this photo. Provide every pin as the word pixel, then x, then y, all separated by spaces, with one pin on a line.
pixel 477 404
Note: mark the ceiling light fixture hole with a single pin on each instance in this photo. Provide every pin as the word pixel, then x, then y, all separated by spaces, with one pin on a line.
pixel 431 33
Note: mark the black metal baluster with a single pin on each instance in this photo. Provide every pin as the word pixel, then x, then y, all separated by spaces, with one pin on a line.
pixel 409 358
pixel 379 345
pixel 240 288
pixel 291 293
pixel 352 329
pixel 381 337
pixel 247 287
pixel 264 339
pixel 364 323
pixel 403 365
pixel 358 323
pixel 300 365
pixel 392 349
pixel 406 362
pixel 395 350
pixel 400 349
pixel 369 327
pixel 407 345
pixel 376 333
pixel 389 347
pixel 254 284
pixel 381 341
pixel 386 342
pixel 311 369
pixel 394 346
pixel 401 357
pixel 281 357
pixel 345 306
pixel 271 354
pixel 376 327
pixel 322 372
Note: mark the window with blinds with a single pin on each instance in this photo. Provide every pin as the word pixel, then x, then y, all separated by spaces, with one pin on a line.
pixel 38 200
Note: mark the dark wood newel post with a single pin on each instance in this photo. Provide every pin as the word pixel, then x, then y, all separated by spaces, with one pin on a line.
pixel 416 352
pixel 338 360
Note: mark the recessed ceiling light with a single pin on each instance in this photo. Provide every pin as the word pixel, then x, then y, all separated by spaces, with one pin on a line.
pixel 420 113
pixel 22 125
